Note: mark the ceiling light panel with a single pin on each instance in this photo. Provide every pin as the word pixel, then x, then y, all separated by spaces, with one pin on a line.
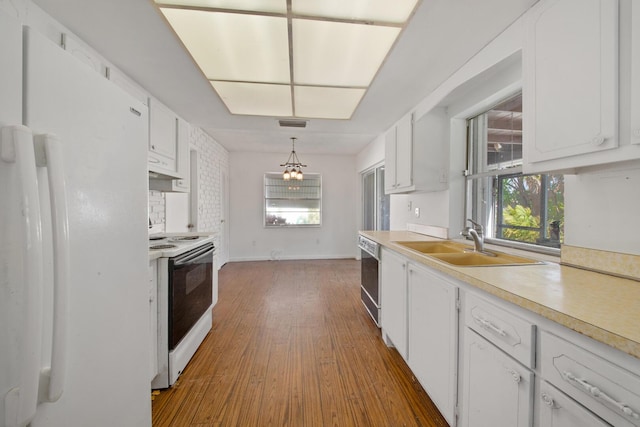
pixel 255 98
pixel 237 47
pixel 326 102
pixel 339 54
pixel 396 11
pixel 269 6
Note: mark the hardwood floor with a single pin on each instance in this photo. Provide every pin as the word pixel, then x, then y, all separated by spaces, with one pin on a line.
pixel 292 345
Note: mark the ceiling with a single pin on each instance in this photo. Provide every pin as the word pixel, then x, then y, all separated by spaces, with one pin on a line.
pixel 440 38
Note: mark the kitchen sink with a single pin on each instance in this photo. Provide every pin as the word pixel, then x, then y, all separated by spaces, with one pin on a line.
pixel 459 254
pixel 475 259
pixel 434 247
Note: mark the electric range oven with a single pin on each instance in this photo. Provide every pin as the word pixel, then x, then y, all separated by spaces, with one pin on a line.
pixel 185 302
pixel 369 277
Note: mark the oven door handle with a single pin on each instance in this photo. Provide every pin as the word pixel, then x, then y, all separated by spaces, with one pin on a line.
pixel 190 257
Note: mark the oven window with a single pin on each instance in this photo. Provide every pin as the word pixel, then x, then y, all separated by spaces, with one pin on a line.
pixel 190 296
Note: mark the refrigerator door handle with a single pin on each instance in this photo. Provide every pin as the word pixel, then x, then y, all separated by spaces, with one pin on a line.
pixel 49 154
pixel 22 400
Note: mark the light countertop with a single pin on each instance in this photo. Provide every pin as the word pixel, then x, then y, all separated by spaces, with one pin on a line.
pixel 603 307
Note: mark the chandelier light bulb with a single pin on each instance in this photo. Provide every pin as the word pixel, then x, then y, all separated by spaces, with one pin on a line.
pixel 286 175
pixel 299 176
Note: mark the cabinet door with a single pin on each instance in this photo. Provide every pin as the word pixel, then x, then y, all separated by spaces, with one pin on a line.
pixel 404 153
pixel 163 131
pixel 433 337
pixel 163 140
pixel 390 161
pixel 393 273
pixel 184 157
pixel 497 390
pixel 153 318
pixel 571 79
pixel 557 410
pixel 431 151
pixel 635 72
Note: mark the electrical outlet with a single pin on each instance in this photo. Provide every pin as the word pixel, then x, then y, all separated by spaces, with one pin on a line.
pixel 417 212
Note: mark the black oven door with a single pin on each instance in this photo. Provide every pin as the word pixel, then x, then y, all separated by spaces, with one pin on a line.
pixel 190 290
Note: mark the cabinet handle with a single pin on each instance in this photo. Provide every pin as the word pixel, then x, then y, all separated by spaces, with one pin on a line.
pixel 516 376
pixel 548 400
pixel 490 326
pixel 153 147
pixel 599 394
pixel 636 132
pixel 598 140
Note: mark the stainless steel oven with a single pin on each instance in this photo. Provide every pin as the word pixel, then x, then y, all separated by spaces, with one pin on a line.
pixel 369 277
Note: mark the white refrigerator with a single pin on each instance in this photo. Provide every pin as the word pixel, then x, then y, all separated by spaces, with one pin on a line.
pixel 73 241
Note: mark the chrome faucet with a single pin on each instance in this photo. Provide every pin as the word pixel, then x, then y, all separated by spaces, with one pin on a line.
pixel 477 234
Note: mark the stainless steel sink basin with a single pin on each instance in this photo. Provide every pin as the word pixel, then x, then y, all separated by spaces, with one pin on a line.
pixel 458 254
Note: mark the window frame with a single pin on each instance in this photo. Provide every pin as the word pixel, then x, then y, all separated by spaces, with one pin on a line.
pixel 265 199
pixel 491 221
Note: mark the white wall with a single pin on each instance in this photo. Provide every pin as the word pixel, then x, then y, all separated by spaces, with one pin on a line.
pixel 250 240
pixel 371 155
pixel 602 208
pixel 434 209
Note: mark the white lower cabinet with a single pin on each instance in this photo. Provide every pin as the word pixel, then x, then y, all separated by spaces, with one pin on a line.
pixel 153 319
pixel 497 390
pixel 481 360
pixel 555 409
pixel 607 389
pixel 393 274
pixel 433 338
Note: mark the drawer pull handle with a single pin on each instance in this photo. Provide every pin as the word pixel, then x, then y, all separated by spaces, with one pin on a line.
pixel 599 394
pixel 548 400
pixel 490 326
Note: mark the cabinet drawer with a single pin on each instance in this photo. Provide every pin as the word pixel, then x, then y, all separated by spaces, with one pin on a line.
pixel 509 332
pixel 608 390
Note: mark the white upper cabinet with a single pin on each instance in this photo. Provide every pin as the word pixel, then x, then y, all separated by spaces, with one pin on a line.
pixel 431 151
pixel 570 90
pixel 163 140
pixel 635 72
pixel 399 157
pixel 404 153
pixel 416 153
pixel 183 163
pixel 390 161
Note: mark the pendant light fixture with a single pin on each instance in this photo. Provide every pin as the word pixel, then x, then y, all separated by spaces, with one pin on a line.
pixel 293 167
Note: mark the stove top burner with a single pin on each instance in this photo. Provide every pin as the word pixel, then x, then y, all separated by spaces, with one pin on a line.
pixel 185 238
pixel 163 247
pixel 156 238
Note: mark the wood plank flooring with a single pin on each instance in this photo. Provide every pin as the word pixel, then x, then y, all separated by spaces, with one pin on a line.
pixel 292 345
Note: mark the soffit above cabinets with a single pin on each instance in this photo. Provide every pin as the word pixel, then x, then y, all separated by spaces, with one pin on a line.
pixel 289 58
